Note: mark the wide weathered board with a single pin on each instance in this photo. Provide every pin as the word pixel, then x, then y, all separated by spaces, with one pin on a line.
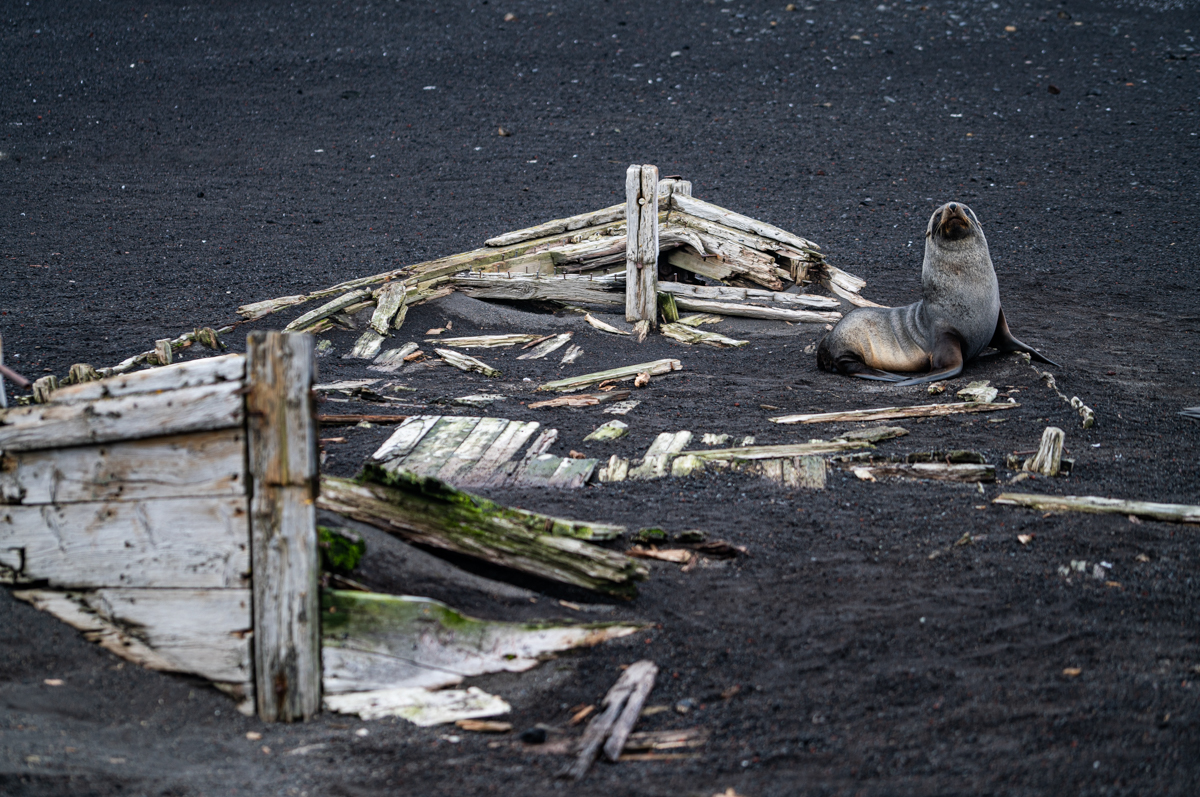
pixel 195 373
pixel 200 464
pixel 129 417
pixel 168 542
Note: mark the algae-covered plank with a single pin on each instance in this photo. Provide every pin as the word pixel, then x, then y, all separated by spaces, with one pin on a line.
pixel 373 641
pixel 538 471
pixel 406 437
pixel 430 455
pixel 389 301
pixel 657 461
pixel 431 512
pixel 472 448
pixel 573 473
pixel 608 431
pixel 1177 513
pixel 514 435
pixel 888 413
pixel 873 434
pixel 573 383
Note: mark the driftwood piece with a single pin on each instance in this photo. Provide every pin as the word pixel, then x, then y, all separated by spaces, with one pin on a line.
pixel 196 373
pixel 939 471
pixel 873 434
pixel 981 391
pixel 464 362
pixel 581 400
pixel 746 453
pixel 392 360
pixel 641 245
pixel 418 705
pixel 389 308
pixel 43 387
pixel 484 341
pixel 656 463
pixel 558 226
pixel 691 335
pixel 551 289
pixel 888 413
pixel 729 294
pixel 755 311
pixel 547 346
pixel 1177 513
pixel 637 680
pixel 373 641
pixel 602 326
pixel 573 383
pixel 1048 459
pixel 366 347
pixel 841 283
pixel 431 512
pixel 758 270
pixel 282 445
pixel 711 212
pixel 328 309
pixel 608 431
pixel 162 351
pixel 573 354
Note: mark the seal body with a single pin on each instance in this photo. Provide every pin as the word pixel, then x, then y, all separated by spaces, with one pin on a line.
pixel 959 314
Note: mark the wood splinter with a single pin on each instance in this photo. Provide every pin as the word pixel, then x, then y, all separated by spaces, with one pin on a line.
pixel 623 705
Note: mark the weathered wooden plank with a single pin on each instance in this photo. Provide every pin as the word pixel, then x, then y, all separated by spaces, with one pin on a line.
pixel 573 473
pixel 730 294
pixel 509 474
pixel 742 237
pixel 464 362
pixel 615 470
pixel 755 311
pixel 690 335
pixel 888 413
pixel 643 683
pixel 166 542
pixel 389 302
pixel 601 725
pixel 938 471
pixel 130 417
pixel 641 246
pixel 558 226
pixel 376 641
pixel 546 347
pixel 431 512
pixel 202 632
pixel 282 438
pixel 745 453
pixel 484 341
pixel 657 461
pixel 366 347
pixel 596 323
pixel 573 383
pixel 502 449
pixel 711 212
pixel 405 438
pixel 392 360
pixel 430 455
pixel 196 373
pixel 196 465
pixel 1177 513
pixel 474 446
pixel 328 309
pixel 538 471
pixel 572 291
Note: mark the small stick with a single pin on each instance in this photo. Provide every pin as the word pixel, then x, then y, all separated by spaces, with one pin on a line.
pixel 887 413
pixel 598 729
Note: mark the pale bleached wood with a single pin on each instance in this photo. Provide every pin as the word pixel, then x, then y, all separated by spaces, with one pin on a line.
pixel 641 247
pixel 436 447
pixel 777 451
pixel 608 431
pixel 467 455
pixel 545 289
pixel 750 263
pixel 546 347
pixel 484 341
pixel 573 354
pixel 615 470
pixel 573 473
pixel 201 632
pixel 888 413
pixel 464 362
pixel 754 311
pixel 673 185
pixel 690 335
pixel 389 301
pixel 1048 459
pixel 515 471
pixel 82 372
pixel 162 351
pixel 129 417
pixel 328 309
pixel 657 461
pixel 716 268
pixel 574 383
pixel 601 725
pixel 195 373
pixel 742 237
pixel 198 464
pixel 43 387
pixel 596 323
pixel 595 218
pixel 282 444
pixel 580 400
pixel 537 471
pixel 345 385
pixel 374 641
pixel 711 212
pixel 405 438
pixel 842 283
pixel 366 347
pixel 392 360
pixel 728 294
pixel 1176 513
pixel 166 542
pixel 501 450
pixel 644 682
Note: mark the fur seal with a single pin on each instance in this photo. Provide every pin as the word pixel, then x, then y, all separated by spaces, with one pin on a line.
pixel 959 314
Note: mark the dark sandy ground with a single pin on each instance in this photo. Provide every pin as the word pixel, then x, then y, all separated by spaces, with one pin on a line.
pixel 162 164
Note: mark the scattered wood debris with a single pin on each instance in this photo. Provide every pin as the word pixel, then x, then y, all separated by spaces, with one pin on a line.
pixel 622 707
pixel 954 466
pixel 1176 513
pixel 621 374
pixel 888 413
pixel 580 400
pixel 546 346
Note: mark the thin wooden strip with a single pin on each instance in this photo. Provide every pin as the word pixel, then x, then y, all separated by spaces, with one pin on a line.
pixel 742 237
pixel 131 417
pixel 777 451
pixel 1178 513
pixel 165 542
pixel 558 226
pixel 754 311
pixel 464 362
pixel 690 335
pixel 430 455
pixel 633 709
pixel 505 446
pixel 546 347
pixel 573 383
pixel 601 725
pixel 472 448
pixel 328 309
pixel 390 301
pixel 197 464
pixel 889 413
pixel 711 212
pixel 484 341
pixel 196 373
pixel 406 437
pixel 731 294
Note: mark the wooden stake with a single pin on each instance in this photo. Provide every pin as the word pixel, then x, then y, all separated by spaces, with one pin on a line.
pixel 641 244
pixel 1048 459
pixel 162 350
pixel 282 440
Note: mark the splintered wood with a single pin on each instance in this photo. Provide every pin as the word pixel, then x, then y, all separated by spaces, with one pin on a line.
pixel 622 707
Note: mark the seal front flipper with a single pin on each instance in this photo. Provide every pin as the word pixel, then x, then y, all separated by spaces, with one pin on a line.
pixel 946 361
pixel 1003 341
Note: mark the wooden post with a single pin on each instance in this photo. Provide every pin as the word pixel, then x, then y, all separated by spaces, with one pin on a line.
pixel 282 440
pixel 641 247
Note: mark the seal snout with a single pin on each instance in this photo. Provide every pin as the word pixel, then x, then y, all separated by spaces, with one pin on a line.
pixel 955 223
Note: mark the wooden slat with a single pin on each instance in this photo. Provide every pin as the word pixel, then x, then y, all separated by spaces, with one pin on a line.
pixel 130 417
pixel 436 447
pixel 505 446
pixel 731 294
pixel 197 373
pixel 711 212
pixel 168 542
pixel 755 311
pixel 641 246
pixel 657 461
pixel 282 431
pixel 538 471
pixel 472 448
pixel 200 464
pixel 198 631
pixel 405 438
pixel 573 473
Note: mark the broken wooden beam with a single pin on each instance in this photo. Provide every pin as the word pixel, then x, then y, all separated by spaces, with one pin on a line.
pixel 550 344
pixel 690 335
pixel 573 383
pixel 756 311
pixel 641 244
pixel 389 307
pixel 888 413
pixel 758 270
pixel 715 213
pixel 1048 459
pixel 1176 513
pixel 484 341
pixel 730 294
pixel 464 362
pixel 580 400
pixel 622 707
pixel 566 288
pixel 328 309
pixel 429 511
pixel 746 453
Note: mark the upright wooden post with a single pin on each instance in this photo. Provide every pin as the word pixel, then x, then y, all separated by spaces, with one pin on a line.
pixel 282 440
pixel 641 247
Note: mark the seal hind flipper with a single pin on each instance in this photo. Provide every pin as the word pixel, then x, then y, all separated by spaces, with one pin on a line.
pixel 1003 341
pixel 945 363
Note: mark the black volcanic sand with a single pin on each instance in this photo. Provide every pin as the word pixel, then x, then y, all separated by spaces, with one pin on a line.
pixel 164 164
